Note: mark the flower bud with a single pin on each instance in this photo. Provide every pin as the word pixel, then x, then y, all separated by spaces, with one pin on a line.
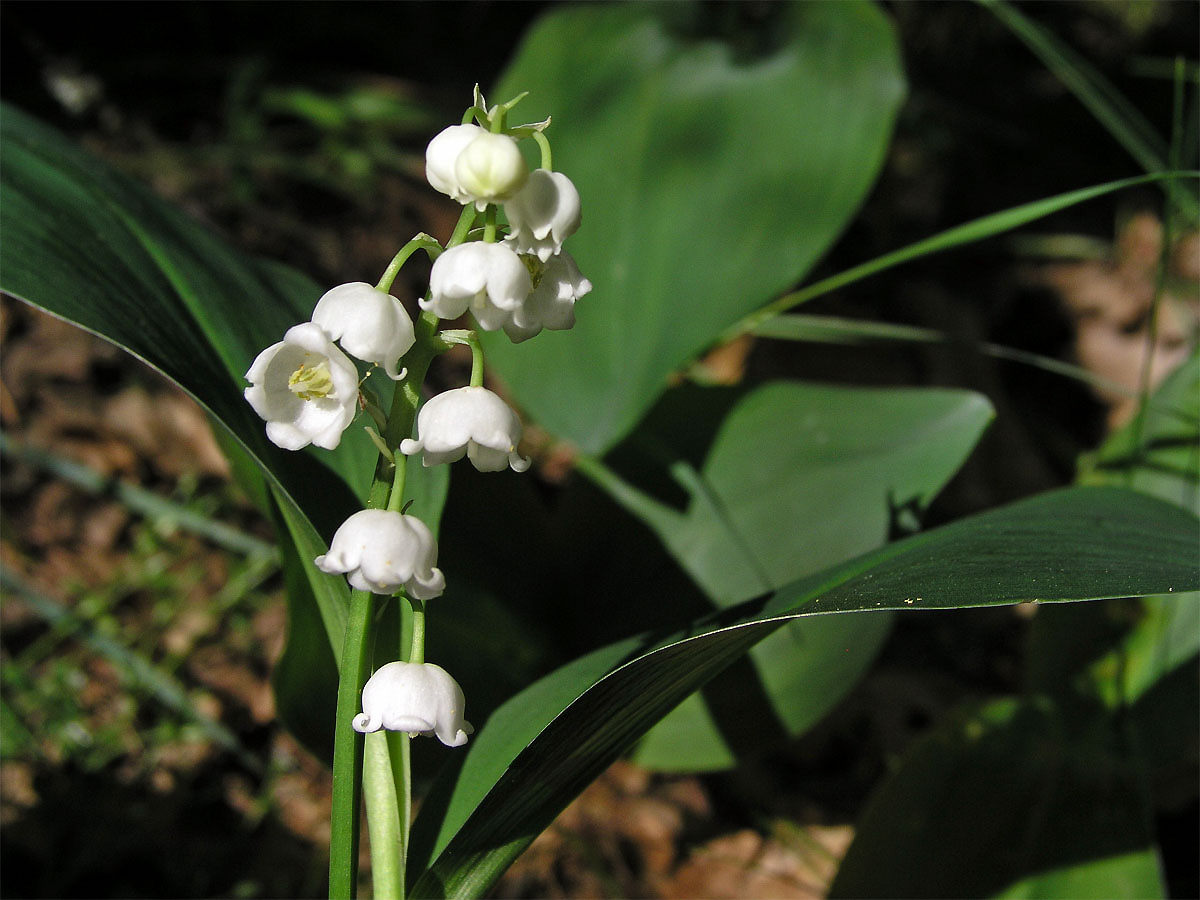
pixel 441 155
pixel 305 388
pixel 419 698
pixel 490 169
pixel 470 421
pixel 382 551
pixel 371 325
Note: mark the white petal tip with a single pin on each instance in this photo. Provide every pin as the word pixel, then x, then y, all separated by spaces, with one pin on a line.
pixel 409 447
pixel 517 462
pixel 362 723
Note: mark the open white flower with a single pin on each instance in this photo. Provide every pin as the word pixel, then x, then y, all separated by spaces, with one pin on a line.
pixel 305 388
pixel 488 279
pixel 544 213
pixel 441 155
pixel 419 698
pixel 370 324
pixel 558 283
pixel 470 421
pixel 382 551
pixel 490 169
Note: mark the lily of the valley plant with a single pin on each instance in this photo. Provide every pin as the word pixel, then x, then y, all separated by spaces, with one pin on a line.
pixel 309 390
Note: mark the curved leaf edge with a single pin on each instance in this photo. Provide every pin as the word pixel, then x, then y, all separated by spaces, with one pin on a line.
pixel 517 800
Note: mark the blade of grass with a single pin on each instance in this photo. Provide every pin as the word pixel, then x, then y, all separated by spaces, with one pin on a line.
pixel 967 233
pixel 1160 278
pixel 837 330
pixel 1110 108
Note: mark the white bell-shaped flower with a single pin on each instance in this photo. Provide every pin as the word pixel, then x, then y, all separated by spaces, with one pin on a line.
pixel 441 156
pixel 305 388
pixel 370 324
pixel 558 283
pixel 544 213
pixel 488 279
pixel 419 698
pixel 470 421
pixel 382 551
pixel 490 169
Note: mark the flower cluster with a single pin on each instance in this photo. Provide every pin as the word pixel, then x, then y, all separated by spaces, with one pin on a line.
pixel 525 282
pixel 307 387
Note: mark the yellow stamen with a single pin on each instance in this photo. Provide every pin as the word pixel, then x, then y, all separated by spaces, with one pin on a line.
pixel 312 383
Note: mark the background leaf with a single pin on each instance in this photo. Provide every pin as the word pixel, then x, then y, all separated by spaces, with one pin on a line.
pixel 797 477
pixel 547 743
pixel 712 175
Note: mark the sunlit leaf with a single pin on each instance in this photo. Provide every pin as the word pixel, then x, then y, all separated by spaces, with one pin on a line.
pixel 545 745
pixel 712 177
pixel 798 477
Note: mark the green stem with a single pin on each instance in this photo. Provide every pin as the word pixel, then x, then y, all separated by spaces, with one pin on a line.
pixel 396 497
pixel 403 412
pixel 489 225
pixel 476 361
pixel 388 833
pixel 463 228
pixel 416 653
pixel 347 750
pixel 421 242
pixel 403 743
pixel 348 744
pixel 544 145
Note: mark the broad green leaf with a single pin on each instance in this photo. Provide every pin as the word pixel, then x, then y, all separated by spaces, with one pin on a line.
pixel 712 178
pixel 540 749
pixel 1011 799
pixel 798 477
pixel 801 476
pixel 93 247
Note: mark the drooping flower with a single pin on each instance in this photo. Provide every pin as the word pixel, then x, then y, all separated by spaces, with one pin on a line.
pixel 382 551
pixel 305 388
pixel 441 155
pixel 420 698
pixel 544 213
pixel 488 279
pixel 490 169
pixel 558 283
pixel 470 421
pixel 369 324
